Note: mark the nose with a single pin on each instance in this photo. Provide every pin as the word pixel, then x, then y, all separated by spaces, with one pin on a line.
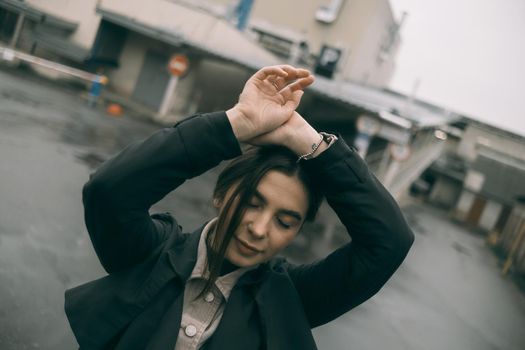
pixel 259 226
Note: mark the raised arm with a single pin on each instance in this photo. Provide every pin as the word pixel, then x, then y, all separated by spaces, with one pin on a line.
pixel 119 194
pixel 380 235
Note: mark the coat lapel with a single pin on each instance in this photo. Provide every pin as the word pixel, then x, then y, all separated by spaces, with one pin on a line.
pixel 184 256
pixel 239 328
pixel 282 316
pixel 177 260
pixel 99 310
pixel 266 306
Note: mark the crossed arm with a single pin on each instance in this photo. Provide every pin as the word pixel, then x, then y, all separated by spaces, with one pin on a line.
pixel 380 236
pixel 118 196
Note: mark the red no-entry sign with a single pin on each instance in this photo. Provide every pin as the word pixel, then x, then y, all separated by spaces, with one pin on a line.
pixel 178 65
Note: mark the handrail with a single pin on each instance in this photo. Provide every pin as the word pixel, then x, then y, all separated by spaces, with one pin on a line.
pixel 8 54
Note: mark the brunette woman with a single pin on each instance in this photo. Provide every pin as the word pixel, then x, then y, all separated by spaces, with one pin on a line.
pixel 222 286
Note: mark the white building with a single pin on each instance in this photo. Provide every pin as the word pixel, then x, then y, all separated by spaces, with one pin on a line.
pixel 494 177
pixel 132 41
pixel 342 40
pixel 355 40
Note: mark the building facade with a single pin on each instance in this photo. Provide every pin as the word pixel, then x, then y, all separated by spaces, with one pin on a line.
pixel 494 178
pixel 349 45
pixel 350 40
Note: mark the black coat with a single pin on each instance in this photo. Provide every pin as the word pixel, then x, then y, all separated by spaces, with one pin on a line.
pixel 149 258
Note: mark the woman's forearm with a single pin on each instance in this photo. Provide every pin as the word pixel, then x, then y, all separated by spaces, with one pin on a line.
pixel 380 236
pixel 119 194
pixel 368 211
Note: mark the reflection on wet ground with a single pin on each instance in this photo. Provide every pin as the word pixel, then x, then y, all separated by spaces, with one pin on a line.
pixel 448 293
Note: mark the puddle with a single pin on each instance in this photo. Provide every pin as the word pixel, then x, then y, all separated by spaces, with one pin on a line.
pixel 20 97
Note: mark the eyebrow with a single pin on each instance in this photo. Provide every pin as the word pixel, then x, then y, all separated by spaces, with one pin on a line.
pixel 289 212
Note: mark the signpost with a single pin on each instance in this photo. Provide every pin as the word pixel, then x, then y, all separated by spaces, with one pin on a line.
pixel 177 66
pixel 327 62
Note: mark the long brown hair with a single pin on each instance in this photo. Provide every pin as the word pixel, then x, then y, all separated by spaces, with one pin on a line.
pixel 242 175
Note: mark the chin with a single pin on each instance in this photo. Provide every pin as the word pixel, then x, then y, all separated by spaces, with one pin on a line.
pixel 242 261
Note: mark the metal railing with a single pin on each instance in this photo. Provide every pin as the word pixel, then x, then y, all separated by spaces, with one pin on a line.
pixel 11 55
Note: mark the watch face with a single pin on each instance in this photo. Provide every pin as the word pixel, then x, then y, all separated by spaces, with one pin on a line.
pixel 328 137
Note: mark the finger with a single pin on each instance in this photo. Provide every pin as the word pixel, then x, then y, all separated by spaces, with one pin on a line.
pixel 286 93
pixel 277 82
pixel 265 72
pixel 280 83
pixel 272 80
pixel 298 85
pixel 292 103
pixel 297 95
pixel 301 84
pixel 295 73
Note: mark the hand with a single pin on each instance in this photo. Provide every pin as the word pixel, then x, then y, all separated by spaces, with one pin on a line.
pixel 296 134
pixel 268 100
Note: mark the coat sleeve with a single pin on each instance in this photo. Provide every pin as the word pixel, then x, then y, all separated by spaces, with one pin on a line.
pixel 118 196
pixel 380 236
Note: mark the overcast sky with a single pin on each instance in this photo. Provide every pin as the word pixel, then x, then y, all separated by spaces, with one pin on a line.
pixel 469 56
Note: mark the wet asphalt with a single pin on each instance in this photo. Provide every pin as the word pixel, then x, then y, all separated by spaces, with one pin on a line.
pixel 447 295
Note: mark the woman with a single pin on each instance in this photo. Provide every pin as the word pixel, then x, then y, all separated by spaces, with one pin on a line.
pixel 222 287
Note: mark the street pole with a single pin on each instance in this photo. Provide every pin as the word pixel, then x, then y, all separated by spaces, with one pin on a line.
pixel 168 94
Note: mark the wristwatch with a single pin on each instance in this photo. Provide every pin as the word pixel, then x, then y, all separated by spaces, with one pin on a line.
pixel 326 137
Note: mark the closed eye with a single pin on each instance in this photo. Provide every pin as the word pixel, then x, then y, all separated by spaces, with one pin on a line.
pixel 283 224
pixel 254 205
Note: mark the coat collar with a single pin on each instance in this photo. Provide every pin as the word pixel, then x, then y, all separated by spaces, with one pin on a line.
pixel 183 253
pixel 281 314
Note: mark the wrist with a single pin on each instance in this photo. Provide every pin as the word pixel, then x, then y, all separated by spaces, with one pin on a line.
pixel 303 140
pixel 322 147
pixel 238 123
pixel 324 142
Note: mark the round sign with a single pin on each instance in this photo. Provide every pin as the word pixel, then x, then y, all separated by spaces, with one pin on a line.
pixel 178 65
pixel 400 152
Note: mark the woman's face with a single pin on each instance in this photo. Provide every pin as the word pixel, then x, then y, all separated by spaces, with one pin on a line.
pixel 272 219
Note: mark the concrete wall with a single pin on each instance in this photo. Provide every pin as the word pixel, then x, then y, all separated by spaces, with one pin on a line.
pixel 193 26
pixel 360 29
pixel 197 90
pixel 510 236
pixel 464 204
pixel 445 192
pixel 421 157
pixel 475 135
pixel 490 215
pixel 80 11
pixel 217 85
pixel 124 79
pixel 368 21
pixel 515 221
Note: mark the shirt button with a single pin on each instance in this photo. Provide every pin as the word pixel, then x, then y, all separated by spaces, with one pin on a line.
pixel 209 297
pixel 190 330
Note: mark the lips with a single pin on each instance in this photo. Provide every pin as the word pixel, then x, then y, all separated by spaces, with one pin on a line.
pixel 250 248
